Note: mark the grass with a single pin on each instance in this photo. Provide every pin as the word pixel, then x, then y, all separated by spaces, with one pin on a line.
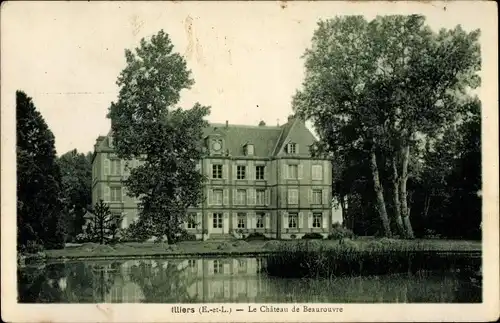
pixel 370 257
pixel 240 247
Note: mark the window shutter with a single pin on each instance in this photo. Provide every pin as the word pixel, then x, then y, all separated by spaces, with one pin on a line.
pixel 235 220
pixel 224 171
pixel 268 221
pixel 325 197
pixel 265 173
pixel 283 197
pixel 309 219
pixel 210 196
pixel 235 200
pixel 211 264
pixel 285 171
pixel 300 169
pixel 249 221
pixel 122 168
pixel 225 199
pixel 297 149
pixel 268 197
pixel 199 219
pixel 285 220
pixel 289 200
pixel 225 219
pixel 253 194
pixel 124 193
pixel 325 219
pixel 107 193
pixel 106 166
pixel 311 196
pixel 210 225
pixel 301 220
pixel 235 172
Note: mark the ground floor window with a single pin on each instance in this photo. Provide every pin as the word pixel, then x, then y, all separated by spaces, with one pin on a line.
pixel 191 221
pixel 292 220
pixel 217 221
pixel 241 220
pixel 317 217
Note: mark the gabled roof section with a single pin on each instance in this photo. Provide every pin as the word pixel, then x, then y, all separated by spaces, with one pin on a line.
pixel 295 131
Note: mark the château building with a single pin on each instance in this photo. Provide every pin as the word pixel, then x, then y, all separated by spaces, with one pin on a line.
pixel 260 179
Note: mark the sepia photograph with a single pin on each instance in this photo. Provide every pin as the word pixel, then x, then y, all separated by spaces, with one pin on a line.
pixel 249 161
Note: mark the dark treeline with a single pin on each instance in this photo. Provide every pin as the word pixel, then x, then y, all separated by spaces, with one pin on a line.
pixel 52 193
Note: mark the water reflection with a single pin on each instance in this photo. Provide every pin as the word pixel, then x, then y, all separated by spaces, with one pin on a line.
pixel 225 280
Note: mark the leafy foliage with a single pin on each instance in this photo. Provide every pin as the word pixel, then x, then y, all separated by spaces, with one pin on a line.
pixel 76 184
pixel 39 219
pixel 377 91
pixel 145 125
pixel 312 235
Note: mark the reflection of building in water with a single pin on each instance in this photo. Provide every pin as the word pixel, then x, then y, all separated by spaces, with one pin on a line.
pixel 204 280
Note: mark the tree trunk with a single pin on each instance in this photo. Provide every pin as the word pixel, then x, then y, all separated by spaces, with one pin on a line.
pixel 396 200
pixel 403 193
pixel 379 192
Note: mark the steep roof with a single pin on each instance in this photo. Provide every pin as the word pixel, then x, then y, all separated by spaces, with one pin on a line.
pixel 263 138
pixel 268 141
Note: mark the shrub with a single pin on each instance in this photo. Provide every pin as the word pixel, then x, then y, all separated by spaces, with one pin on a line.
pixel 240 243
pixel 256 236
pixel 186 236
pixel 136 232
pixel 312 235
pixel 339 232
pixel 293 236
pixel 33 247
pixel 272 245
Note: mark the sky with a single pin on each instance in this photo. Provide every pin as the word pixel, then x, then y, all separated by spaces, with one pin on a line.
pixel 245 57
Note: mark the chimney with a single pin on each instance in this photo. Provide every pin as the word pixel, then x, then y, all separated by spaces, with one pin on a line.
pixel 227 124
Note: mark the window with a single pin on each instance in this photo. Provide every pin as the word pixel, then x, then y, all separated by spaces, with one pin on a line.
pixel 293 196
pixel 317 219
pixel 293 171
pixel 217 197
pixel 218 267
pixel 261 197
pixel 241 172
pixel 191 221
pixel 259 172
pixel 260 220
pixel 116 194
pixel 241 197
pixel 217 221
pixel 116 167
pixel 192 263
pixel 316 197
pixel 292 220
pixel 241 220
pixel 292 148
pixel 217 171
pixel 317 172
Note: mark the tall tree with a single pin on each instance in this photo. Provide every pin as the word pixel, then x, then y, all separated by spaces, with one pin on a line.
pixel 386 85
pixel 76 172
pixel 146 125
pixel 39 216
pixel 104 225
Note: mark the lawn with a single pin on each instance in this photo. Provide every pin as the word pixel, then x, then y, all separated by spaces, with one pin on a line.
pixel 240 247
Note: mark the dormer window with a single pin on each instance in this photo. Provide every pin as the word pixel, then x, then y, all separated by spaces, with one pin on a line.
pixel 292 148
pixel 110 142
pixel 249 149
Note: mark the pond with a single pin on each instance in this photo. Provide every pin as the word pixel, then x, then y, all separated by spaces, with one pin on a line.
pixel 205 280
